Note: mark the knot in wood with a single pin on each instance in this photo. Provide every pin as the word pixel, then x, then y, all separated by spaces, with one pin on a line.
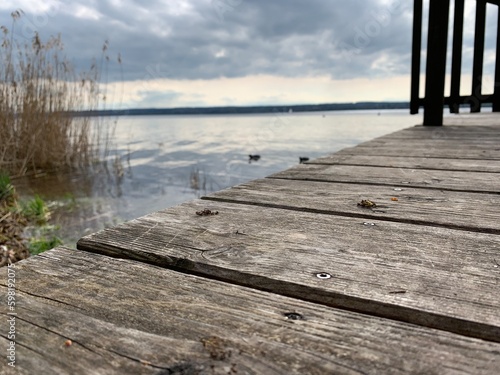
pixel 206 212
pixel 293 316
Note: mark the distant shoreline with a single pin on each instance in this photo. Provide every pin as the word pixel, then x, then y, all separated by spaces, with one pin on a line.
pixel 247 110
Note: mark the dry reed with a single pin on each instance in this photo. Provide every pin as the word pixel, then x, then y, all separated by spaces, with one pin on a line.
pixel 40 94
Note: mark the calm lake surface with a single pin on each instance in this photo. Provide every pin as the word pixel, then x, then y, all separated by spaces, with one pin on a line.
pixel 160 161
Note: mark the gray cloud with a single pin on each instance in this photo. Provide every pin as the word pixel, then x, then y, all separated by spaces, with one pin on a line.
pixel 208 39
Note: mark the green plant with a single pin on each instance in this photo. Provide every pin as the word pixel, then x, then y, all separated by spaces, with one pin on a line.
pixel 36 210
pixel 39 245
pixel 19 221
pixel 7 191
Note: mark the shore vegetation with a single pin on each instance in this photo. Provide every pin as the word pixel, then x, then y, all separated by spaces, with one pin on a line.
pixel 46 126
pixel 40 95
pixel 24 225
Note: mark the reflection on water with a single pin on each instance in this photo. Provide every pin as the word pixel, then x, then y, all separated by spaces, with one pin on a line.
pixel 161 161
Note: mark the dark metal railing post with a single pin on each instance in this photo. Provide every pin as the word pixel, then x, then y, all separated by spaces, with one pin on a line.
pixel 496 92
pixel 435 99
pixel 436 61
pixel 415 56
pixel 456 61
pixel 477 66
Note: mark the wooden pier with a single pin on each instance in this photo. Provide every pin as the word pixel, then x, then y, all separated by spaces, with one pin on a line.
pixel 290 274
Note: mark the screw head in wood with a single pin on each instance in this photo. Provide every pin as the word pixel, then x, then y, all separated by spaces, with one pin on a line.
pixel 323 275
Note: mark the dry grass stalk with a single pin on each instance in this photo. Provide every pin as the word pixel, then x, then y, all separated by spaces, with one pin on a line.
pixel 39 94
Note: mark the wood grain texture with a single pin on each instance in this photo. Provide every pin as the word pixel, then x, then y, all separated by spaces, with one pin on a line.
pixel 485 144
pixel 450 132
pixel 473 119
pixel 447 142
pixel 464 165
pixel 126 317
pixel 409 150
pixel 448 277
pixel 401 177
pixel 445 134
pixel 451 209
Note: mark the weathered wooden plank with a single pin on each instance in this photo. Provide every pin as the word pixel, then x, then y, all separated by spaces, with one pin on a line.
pixel 450 142
pixel 129 317
pixel 42 346
pixel 473 119
pixel 469 132
pixel 465 145
pixel 433 277
pixel 466 211
pixel 426 152
pixel 471 129
pixel 449 132
pixel 471 165
pixel 402 177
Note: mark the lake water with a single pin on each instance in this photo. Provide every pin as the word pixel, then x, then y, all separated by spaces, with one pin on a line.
pixel 160 161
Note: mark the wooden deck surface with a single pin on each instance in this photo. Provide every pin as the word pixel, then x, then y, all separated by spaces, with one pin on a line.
pixel 291 276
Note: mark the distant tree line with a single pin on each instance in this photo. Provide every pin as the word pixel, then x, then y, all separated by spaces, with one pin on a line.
pixel 248 110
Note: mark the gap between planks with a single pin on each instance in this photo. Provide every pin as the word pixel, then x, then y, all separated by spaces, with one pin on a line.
pixel 323 161
pixel 111 333
pixel 363 306
pixel 354 215
pixel 395 184
pixel 250 260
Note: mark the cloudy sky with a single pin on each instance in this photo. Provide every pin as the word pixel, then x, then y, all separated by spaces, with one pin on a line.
pixel 241 52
